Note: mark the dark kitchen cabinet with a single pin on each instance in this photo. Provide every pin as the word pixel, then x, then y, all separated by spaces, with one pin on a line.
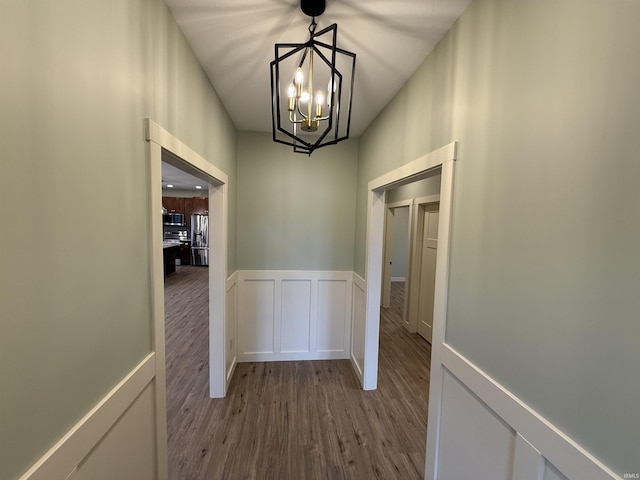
pixel 185 253
pixel 194 205
pixel 168 203
pixel 188 210
pixel 200 204
pixel 176 204
pixel 188 206
pixel 170 254
pixel 173 204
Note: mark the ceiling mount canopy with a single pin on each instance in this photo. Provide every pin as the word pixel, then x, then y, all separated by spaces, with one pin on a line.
pixel 302 117
pixel 313 8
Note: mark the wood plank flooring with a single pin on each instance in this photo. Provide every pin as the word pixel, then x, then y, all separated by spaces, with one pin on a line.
pixel 292 420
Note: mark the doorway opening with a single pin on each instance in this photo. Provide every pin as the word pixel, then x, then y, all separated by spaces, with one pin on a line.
pixel 410 233
pixel 440 161
pixel 162 146
pixel 405 252
pixel 397 251
pixel 185 207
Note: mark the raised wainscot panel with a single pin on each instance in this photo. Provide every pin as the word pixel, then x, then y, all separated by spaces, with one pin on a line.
pixel 474 442
pixel 293 315
pixel 332 319
pixel 479 419
pixel 127 451
pixel 295 331
pixel 115 439
pixel 257 315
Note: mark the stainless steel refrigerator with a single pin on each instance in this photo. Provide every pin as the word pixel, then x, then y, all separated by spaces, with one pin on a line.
pixel 199 239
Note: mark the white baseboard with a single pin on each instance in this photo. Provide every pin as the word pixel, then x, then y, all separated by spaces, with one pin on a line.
pixel 293 315
pixel 292 356
pixel 232 369
pixel 357 368
pixel 63 459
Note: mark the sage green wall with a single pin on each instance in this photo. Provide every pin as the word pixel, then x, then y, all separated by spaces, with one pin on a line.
pixel 421 188
pixel 295 212
pixel 76 82
pixel 543 295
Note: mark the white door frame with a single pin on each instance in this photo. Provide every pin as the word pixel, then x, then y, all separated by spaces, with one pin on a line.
pixel 157 140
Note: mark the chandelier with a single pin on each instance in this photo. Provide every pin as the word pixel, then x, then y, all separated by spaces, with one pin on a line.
pixel 302 117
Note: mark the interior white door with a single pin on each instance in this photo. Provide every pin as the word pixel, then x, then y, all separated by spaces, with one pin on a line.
pixel 430 213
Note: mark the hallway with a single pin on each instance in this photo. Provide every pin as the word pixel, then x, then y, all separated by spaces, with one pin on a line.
pixel 292 420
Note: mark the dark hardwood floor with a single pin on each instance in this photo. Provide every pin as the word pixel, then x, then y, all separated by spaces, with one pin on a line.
pixel 292 420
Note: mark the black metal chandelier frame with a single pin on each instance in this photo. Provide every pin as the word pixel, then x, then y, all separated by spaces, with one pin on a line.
pixel 331 134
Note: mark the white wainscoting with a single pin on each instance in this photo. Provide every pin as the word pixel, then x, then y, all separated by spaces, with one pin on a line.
pixel 293 315
pixel 358 316
pixel 483 431
pixel 231 316
pixel 116 439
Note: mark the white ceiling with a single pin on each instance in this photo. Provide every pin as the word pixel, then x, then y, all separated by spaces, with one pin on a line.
pixel 181 180
pixel 234 42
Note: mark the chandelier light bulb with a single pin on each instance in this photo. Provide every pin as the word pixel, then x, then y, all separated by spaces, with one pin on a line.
pixel 331 88
pixel 299 76
pixel 304 97
pixel 291 94
pixel 319 102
